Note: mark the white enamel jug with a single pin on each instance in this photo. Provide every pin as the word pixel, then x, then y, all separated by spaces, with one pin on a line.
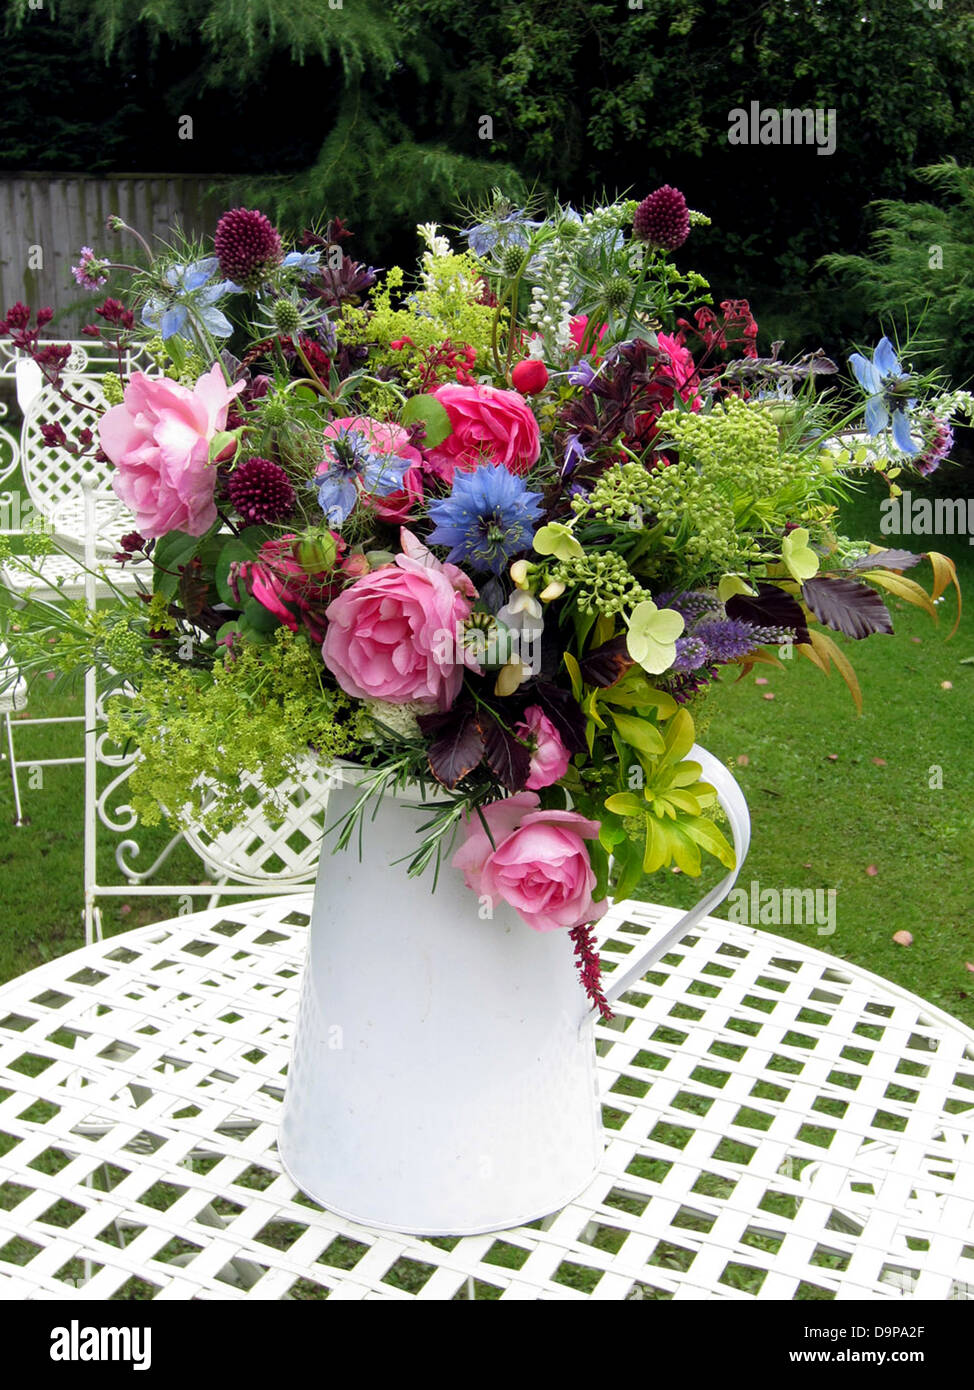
pixel 443 1077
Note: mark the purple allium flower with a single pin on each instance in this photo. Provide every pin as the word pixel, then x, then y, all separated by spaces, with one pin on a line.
pixel 260 491
pixel 662 219
pixel 248 247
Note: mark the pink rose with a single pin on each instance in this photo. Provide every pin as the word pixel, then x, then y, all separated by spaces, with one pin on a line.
pixel 549 756
pixel 540 864
pixel 159 441
pixel 489 426
pixel 392 634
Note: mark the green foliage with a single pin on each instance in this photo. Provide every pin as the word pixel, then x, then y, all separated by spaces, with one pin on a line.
pixel 922 268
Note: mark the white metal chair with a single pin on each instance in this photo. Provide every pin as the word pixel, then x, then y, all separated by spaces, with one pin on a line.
pixel 55 480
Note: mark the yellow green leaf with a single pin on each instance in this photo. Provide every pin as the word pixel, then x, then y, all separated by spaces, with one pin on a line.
pixel 907 589
pixel 624 804
pixel 639 733
pixel 574 674
pixel 707 834
pixel 944 573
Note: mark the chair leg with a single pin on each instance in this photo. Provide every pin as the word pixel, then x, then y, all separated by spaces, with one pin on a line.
pixel 18 809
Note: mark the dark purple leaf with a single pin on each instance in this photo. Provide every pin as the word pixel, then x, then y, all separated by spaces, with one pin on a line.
pixel 193 588
pixel 846 606
pixel 771 607
pixel 564 711
pixel 458 747
pixel 507 757
pixel 606 664
pixel 888 560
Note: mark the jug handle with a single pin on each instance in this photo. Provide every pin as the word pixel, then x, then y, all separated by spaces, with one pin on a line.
pixel 732 801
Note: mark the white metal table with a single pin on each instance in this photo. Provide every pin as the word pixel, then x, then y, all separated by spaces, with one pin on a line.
pixel 779 1125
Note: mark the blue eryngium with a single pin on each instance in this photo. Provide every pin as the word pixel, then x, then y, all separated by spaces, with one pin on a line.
pixel 886 382
pixel 487 519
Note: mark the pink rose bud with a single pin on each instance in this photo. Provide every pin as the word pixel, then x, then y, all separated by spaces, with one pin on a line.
pixel 549 756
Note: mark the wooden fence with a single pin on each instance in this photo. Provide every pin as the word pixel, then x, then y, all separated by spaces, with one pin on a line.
pixel 45 219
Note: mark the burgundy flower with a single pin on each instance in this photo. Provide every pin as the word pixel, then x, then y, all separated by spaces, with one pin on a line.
pixel 53 436
pixel 662 219
pixel 248 247
pixel 114 311
pixel 260 491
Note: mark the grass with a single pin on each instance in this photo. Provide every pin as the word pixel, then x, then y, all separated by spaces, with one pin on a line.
pixel 824 811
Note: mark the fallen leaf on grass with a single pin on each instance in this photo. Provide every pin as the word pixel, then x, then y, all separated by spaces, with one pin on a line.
pixel 871 870
pixel 760 680
pixel 742 760
pixel 879 762
pixel 768 696
pixel 832 757
pixel 946 685
pixel 903 938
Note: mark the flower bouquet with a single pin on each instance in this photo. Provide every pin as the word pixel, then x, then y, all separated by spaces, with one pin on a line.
pixel 496 526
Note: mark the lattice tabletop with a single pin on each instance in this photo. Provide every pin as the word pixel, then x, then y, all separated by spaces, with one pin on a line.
pixel 779 1125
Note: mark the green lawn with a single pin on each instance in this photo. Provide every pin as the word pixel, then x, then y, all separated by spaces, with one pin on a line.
pixel 824 810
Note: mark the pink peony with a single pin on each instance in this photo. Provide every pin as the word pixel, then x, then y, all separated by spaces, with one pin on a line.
pixel 683 369
pixel 549 756
pixel 392 634
pixel 540 864
pixel 489 426
pixel 159 441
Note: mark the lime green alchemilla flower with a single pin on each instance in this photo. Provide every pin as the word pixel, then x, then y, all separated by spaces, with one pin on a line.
pixel 800 560
pixel 652 636
pixel 557 540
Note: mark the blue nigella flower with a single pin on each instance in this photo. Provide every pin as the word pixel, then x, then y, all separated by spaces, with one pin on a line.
pixel 305 261
pixel 488 518
pixel 191 292
pixel 351 459
pixel 886 382
pixel 484 237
